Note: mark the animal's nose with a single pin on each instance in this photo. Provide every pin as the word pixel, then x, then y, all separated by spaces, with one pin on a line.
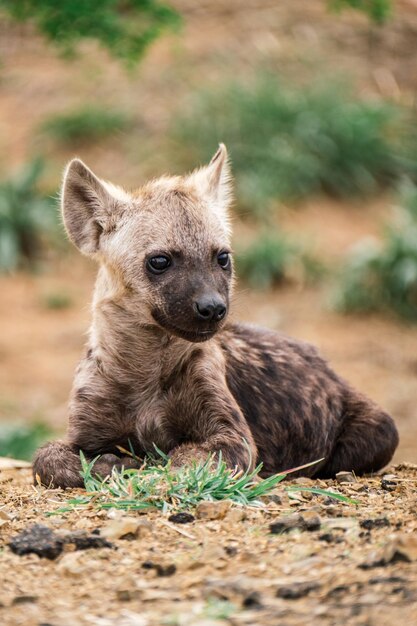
pixel 210 309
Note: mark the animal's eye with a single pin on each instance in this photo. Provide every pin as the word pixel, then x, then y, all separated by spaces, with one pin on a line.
pixel 158 264
pixel 223 259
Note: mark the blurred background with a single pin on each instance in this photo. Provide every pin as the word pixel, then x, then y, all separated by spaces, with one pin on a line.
pixel 316 101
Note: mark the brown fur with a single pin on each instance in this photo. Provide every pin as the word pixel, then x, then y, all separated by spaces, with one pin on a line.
pixel 156 372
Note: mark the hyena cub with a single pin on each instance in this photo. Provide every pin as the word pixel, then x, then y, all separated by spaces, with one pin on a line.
pixel 163 366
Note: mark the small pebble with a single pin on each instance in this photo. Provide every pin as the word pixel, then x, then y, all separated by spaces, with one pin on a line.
pixel 389 482
pixel 213 510
pixel 377 522
pixel 161 569
pixel 345 477
pixel 296 590
pixel 285 524
pixel 311 520
pixel 181 518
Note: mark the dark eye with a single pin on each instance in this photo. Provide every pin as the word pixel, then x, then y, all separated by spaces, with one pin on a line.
pixel 223 259
pixel 158 264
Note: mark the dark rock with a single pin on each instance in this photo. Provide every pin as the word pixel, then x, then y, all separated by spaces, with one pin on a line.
pixel 181 518
pixel 376 580
pixel 295 591
pixel 252 600
pixel 84 541
pixel 330 538
pixel 161 570
pixel 24 600
pixel 46 543
pixel 231 550
pixel 37 539
pixel 377 522
pixel 389 482
pixel 338 591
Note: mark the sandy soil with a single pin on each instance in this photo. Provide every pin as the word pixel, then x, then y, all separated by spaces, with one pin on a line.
pixel 358 568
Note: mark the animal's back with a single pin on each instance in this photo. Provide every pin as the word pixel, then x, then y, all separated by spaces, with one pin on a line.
pixel 288 394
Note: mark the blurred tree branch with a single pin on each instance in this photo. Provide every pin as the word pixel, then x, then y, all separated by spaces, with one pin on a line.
pixel 125 27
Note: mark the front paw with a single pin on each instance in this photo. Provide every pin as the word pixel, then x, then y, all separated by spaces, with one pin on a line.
pixel 187 455
pixel 106 462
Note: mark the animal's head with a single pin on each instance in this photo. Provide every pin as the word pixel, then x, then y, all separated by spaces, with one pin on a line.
pixel 165 248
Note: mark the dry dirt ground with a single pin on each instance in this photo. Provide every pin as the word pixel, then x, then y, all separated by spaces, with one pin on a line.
pixel 357 567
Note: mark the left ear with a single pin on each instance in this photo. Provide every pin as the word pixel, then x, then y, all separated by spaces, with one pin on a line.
pixel 215 179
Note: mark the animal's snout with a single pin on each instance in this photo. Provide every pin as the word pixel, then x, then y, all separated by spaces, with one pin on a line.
pixel 210 308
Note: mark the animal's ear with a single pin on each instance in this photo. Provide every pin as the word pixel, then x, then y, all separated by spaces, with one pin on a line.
pixel 215 180
pixel 89 206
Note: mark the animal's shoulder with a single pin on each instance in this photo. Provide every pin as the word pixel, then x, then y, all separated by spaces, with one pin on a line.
pixel 251 340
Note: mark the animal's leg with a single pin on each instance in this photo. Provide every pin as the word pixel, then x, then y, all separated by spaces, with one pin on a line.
pixel 367 441
pixel 235 452
pixel 58 464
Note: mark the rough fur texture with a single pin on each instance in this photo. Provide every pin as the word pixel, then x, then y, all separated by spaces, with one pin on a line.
pixel 154 372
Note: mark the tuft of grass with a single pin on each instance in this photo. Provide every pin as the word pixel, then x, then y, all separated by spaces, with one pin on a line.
pixel 27 218
pixel 273 259
pixel 20 441
pixel 383 277
pixel 86 124
pixel 287 142
pixel 156 485
pixel 159 486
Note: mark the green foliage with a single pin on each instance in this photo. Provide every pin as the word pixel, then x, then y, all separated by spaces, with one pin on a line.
pixel 157 485
pixel 165 488
pixel 85 125
pixel 288 142
pixel 21 441
pixel 378 10
pixel 273 259
pixel 160 486
pixel 25 217
pixel 57 300
pixel 383 277
pixel 125 27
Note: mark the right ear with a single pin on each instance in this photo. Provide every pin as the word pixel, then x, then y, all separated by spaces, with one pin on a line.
pixel 89 206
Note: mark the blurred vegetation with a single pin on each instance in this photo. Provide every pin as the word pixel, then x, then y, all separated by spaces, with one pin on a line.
pixel 378 10
pixel 273 259
pixel 57 300
pixel 125 27
pixel 86 124
pixel 288 142
pixel 21 441
pixel 383 277
pixel 26 217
